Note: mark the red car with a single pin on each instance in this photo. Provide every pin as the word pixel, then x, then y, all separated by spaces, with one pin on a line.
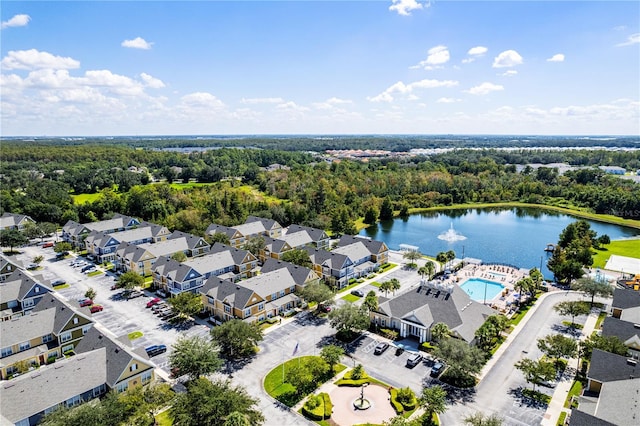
pixel 96 308
pixel 153 301
pixel 85 302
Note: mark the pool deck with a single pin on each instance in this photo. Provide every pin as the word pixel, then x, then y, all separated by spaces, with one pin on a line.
pixel 506 276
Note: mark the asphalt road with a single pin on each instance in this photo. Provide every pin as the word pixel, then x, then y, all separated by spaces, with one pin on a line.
pixel 500 390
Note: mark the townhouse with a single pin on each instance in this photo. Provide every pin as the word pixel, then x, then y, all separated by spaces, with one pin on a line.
pixel 626 305
pixel 103 245
pixel 378 250
pixel 319 238
pixel 19 293
pixel 253 227
pixel 7 267
pixel 416 310
pixel 75 233
pixel 336 269
pixel 264 296
pixel 14 221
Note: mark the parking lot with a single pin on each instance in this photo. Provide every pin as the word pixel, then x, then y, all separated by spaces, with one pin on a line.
pixel 119 316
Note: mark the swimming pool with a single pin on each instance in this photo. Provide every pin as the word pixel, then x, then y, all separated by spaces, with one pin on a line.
pixel 476 288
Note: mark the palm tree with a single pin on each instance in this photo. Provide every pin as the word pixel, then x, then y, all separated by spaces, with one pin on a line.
pixel 440 331
pixel 441 258
pixel 412 256
pixel 450 256
pixel 370 301
pixel 395 285
pixel 427 269
pixel 433 400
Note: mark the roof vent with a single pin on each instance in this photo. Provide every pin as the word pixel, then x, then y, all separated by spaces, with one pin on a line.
pixel 631 361
pixel 636 325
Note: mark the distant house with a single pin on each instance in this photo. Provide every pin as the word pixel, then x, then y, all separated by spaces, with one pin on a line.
pixel 14 221
pixel 613 170
pixel 196 245
pixel 7 267
pixel 103 245
pixel 415 311
pixel 319 238
pixel 75 233
pixel 68 382
pixel 253 227
pixel 19 293
pixel 336 269
pixel 367 255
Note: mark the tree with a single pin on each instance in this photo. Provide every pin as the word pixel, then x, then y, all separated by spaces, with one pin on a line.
pixel 186 304
pixel 450 255
pixel 370 301
pixel 442 258
pixel 237 339
pixel 255 245
pixel 536 372
pixel 557 346
pixel 211 403
pixel 370 216
pixel 349 318
pixel 179 256
pixel 38 259
pixel 386 209
pixel 298 257
pixel 479 419
pixel 331 354
pixel 300 377
pixel 237 419
pixel 428 269
pixel 90 294
pixel 390 285
pixel 440 331
pixel 525 286
pixel 195 356
pixel 463 360
pixel 12 238
pixel 142 402
pixel 316 292
pixel 611 344
pixel 219 237
pixel 129 280
pixel 593 288
pixel 412 256
pixel 536 276
pixel 564 268
pixel 61 247
pixel 433 400
pixel 573 309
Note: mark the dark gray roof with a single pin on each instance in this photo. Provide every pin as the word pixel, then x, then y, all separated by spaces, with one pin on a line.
pixel 18 285
pixel 64 312
pixel 156 230
pixel 275 245
pixel 267 223
pixel 50 385
pixel 4 261
pixel 579 418
pixel 214 228
pixel 26 327
pixel 192 240
pixel 237 254
pixel 330 259
pixel 300 274
pixel 227 291
pixel 625 298
pixel 374 246
pixel 117 357
pixel 623 329
pixel 461 314
pixel 619 401
pixel 607 367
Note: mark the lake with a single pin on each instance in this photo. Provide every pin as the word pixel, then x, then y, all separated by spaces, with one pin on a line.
pixel 514 236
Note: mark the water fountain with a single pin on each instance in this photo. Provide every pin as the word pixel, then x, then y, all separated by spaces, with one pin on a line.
pixel 362 403
pixel 451 235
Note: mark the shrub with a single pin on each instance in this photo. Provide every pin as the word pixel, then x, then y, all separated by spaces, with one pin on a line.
pixel 394 401
pixel 427 347
pixel 388 333
pixel 357 372
pixel 314 401
pixel 328 406
pixel 562 418
pixel 352 383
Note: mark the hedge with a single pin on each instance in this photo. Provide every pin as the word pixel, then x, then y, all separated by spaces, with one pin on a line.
pixel 351 382
pixel 315 414
pixel 427 347
pixel 328 406
pixel 396 405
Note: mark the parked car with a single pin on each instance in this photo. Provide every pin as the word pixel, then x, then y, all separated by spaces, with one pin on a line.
pixel 32 266
pixel 162 293
pixel 87 267
pixel 85 302
pixel 358 293
pixel 153 301
pixel 380 348
pixel 155 350
pixel 158 307
pixel 47 244
pixel 399 350
pixel 96 308
pixel 324 308
pixel 90 270
pixel 437 369
pixel 414 360
pixel 135 293
pixel 58 282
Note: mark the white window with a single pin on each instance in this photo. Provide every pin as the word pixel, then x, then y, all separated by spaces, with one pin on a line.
pixel 227 309
pixel 76 320
pixel 133 367
pixel 146 376
pixel 27 303
pixel 86 329
pixel 260 306
pixel 24 346
pixel 65 337
pixel 6 351
pixel 47 338
pixel 292 289
pixel 247 313
pixel 122 387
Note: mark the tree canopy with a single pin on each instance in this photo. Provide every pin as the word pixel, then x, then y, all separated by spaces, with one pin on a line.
pixel 236 338
pixel 194 356
pixel 349 318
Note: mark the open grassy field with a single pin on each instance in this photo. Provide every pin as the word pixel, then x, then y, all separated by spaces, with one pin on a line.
pixel 85 198
pixel 628 248
pixel 190 185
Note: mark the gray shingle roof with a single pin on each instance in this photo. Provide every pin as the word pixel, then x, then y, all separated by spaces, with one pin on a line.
pixel 315 233
pixel 214 228
pixel 117 356
pixel 64 312
pixel 192 241
pixel 607 367
pixel 27 327
pixel 374 246
pixel 268 283
pixel 226 291
pixel 300 274
pixel 238 255
pixel 355 251
pixel 329 259
pixel 623 329
pixel 266 223
pixel 619 402
pixel 32 393
pixel 167 247
pixel 579 418
pixel 17 286
pixel 297 239
pixel 625 298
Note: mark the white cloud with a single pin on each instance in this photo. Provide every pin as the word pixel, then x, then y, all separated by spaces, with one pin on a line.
pixel 438 55
pixel 137 43
pixel 152 82
pixel 17 21
pixel 558 57
pixel 448 100
pixel 331 103
pixel 509 73
pixel 201 100
pixel 291 106
pixel 402 88
pixel 34 59
pixel 632 39
pixel 253 101
pixel 404 7
pixel 474 53
pixel 485 88
pixel 508 58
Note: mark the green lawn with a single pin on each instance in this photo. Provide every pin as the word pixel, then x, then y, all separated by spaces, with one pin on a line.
pixel 576 389
pixel 94 273
pixel 163 419
pixel 190 185
pixel 375 283
pixel 134 335
pixel 60 287
pixel 350 298
pixel 628 248
pixel 273 383
pixel 85 198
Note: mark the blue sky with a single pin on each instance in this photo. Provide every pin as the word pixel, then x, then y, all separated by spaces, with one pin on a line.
pixel 327 67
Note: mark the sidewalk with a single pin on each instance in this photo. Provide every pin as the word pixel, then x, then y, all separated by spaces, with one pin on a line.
pixel 556 406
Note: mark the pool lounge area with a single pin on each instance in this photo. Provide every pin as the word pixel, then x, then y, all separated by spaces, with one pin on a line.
pixel 482 290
